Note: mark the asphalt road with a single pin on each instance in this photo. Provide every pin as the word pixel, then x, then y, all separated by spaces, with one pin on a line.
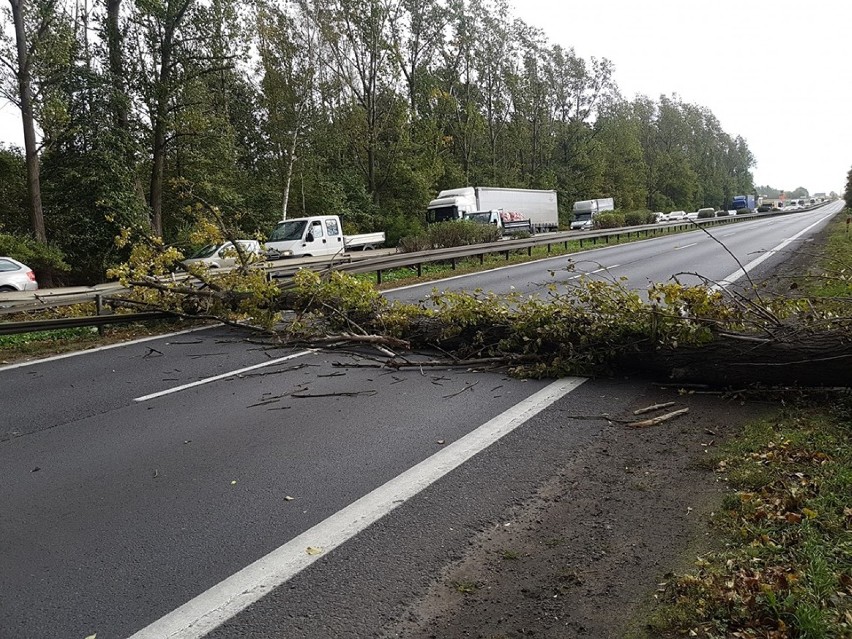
pixel 137 478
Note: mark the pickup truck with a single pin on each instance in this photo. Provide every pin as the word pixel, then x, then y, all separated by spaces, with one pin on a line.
pixel 507 222
pixel 317 235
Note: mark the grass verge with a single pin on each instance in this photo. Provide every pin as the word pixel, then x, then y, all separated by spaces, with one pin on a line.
pixel 785 529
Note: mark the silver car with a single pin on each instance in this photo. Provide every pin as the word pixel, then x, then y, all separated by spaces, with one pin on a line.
pixel 15 276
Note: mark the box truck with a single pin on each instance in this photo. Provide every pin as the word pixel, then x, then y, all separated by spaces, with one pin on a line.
pixel 539 207
pixel 586 210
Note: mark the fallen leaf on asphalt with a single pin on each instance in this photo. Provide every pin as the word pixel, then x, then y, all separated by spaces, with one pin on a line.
pixel 288 498
pixel 313 550
pixel 441 441
pixel 94 636
pixel 233 482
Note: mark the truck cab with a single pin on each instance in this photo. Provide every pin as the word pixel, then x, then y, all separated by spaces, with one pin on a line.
pixel 451 205
pixel 507 222
pixel 306 237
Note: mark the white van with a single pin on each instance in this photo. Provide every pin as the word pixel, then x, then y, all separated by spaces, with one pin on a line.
pixel 223 255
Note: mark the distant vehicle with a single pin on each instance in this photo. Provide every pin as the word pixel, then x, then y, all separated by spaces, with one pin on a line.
pixel 740 202
pixel 586 210
pixel 677 215
pixel 764 208
pixel 537 206
pixel 317 235
pixel 706 213
pixel 661 217
pixel 15 276
pixel 508 223
pixel 223 255
pixel 692 216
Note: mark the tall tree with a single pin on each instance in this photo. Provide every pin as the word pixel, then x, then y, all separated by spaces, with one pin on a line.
pixel 35 60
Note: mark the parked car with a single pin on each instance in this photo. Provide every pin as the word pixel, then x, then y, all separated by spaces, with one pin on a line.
pixel 15 276
pixel 222 255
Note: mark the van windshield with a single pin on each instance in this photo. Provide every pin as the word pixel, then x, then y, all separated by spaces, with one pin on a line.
pixel 207 251
pixel 292 230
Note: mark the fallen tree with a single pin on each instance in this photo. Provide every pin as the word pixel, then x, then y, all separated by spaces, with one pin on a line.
pixel 693 334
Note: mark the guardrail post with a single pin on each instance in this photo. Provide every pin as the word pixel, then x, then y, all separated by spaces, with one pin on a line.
pixel 99 309
pixel 529 251
pixel 507 255
pixel 379 277
pixel 453 263
pixel 481 259
pixel 548 248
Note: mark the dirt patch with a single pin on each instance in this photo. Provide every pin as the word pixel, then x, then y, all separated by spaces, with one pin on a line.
pixel 580 558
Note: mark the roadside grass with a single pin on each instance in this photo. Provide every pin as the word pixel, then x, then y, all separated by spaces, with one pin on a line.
pixel 835 279
pixel 784 568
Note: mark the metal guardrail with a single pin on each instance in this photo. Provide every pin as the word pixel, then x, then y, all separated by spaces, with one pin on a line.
pixel 284 270
pixel 11 328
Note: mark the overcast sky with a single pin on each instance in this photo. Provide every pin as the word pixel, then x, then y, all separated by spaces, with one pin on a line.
pixel 777 72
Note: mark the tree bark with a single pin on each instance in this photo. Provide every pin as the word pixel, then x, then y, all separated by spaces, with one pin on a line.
pixel 26 97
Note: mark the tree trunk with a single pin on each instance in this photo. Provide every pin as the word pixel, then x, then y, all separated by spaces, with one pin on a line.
pixel 291 161
pixel 31 149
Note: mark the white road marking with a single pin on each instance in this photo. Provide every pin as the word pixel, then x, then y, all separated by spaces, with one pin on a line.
pixel 212 608
pixel 677 248
pixel 606 268
pixel 733 277
pixel 216 378
pixel 53 358
pixel 599 270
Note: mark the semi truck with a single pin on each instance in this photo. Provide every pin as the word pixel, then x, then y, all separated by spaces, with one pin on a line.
pixel 740 202
pixel 317 235
pixel 537 206
pixel 586 210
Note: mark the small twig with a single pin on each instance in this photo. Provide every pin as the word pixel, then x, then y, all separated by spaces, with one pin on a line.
pixel 466 388
pixel 648 409
pixel 658 420
pixel 368 393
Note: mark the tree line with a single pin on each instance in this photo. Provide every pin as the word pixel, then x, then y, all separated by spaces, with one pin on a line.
pixel 133 109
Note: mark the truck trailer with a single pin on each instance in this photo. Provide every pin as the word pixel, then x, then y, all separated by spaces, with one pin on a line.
pixel 539 207
pixel 586 210
pixel 740 202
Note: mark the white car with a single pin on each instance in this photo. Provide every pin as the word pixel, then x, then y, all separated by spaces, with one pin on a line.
pixel 674 216
pixel 15 276
pixel 661 217
pixel 692 216
pixel 223 255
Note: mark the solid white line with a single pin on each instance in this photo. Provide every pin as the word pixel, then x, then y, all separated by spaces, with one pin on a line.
pixel 216 378
pixel 677 248
pixel 733 277
pixel 212 608
pixel 53 358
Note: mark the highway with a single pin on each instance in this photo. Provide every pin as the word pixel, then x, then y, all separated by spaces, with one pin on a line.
pixel 200 484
